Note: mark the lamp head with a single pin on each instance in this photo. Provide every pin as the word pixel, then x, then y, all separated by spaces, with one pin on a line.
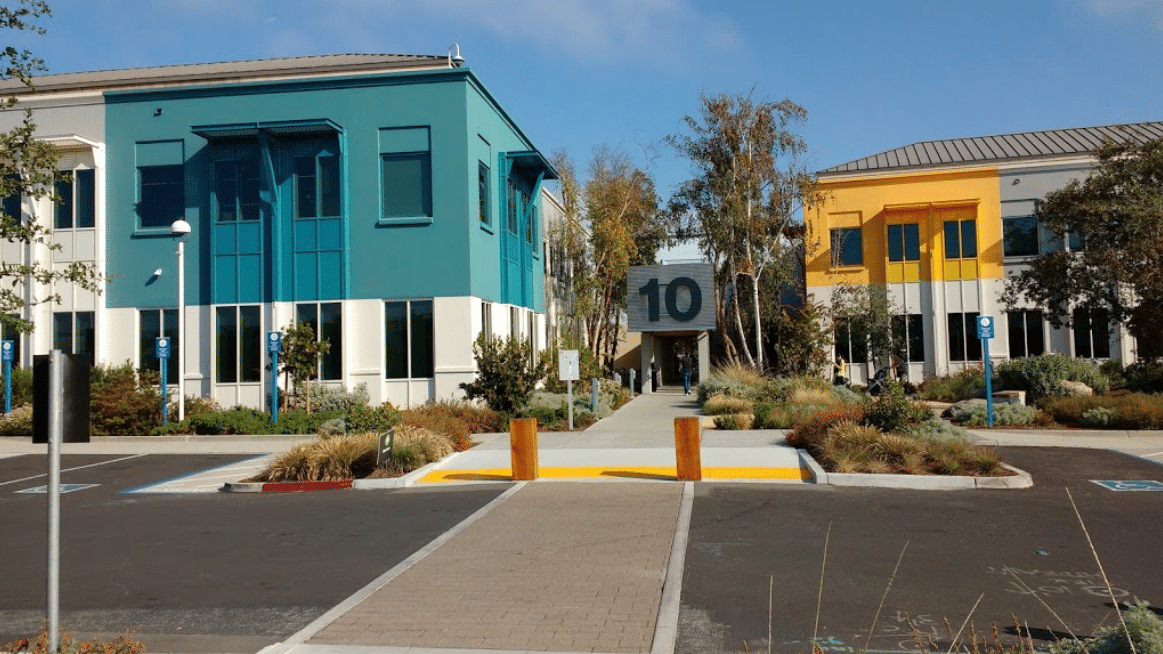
pixel 180 228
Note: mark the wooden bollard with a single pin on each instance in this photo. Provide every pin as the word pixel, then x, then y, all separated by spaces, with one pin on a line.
pixel 687 432
pixel 523 446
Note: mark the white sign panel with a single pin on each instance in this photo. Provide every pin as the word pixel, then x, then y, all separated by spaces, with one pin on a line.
pixel 670 298
pixel 567 365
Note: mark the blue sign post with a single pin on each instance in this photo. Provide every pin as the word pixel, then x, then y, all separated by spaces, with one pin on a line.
pixel 274 346
pixel 163 356
pixel 985 332
pixel 7 353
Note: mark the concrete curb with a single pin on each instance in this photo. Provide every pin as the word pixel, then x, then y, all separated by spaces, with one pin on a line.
pixel 404 481
pixel 1021 479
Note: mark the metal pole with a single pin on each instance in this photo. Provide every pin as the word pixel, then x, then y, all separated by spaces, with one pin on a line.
pixel 181 331
pixel 7 386
pixel 632 371
pixel 569 394
pixel 988 383
pixel 275 387
pixel 594 396
pixel 165 391
pixel 56 402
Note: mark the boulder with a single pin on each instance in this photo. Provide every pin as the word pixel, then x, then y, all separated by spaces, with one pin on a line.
pixel 1075 389
pixel 961 409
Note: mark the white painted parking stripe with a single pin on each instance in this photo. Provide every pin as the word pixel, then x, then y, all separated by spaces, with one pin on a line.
pixel 91 465
pixel 207 481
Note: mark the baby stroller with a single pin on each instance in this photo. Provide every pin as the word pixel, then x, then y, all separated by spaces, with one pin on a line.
pixel 878 385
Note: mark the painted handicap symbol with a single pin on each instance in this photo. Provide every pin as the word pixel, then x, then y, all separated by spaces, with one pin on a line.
pixel 1130 484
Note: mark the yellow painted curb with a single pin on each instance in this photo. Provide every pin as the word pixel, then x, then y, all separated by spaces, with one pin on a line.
pixel 628 472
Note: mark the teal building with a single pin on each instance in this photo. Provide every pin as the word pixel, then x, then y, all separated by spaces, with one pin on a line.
pixel 389 201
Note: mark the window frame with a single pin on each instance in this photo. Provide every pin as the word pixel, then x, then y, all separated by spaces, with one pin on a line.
pixel 427 199
pixel 484 204
pixel 968 347
pixel 147 349
pixel 1009 226
pixel 1084 323
pixel 908 252
pixel 318 199
pixel 334 356
pixel 238 348
pixel 240 203
pixel 958 251
pixel 840 236
pixel 148 209
pixel 77 340
pixel 1021 325
pixel 414 357
pixel 909 336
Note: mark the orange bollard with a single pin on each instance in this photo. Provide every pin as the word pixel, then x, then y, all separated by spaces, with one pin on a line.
pixel 523 446
pixel 687 433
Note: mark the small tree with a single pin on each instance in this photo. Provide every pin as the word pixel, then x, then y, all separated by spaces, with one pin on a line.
pixel 299 359
pixel 507 373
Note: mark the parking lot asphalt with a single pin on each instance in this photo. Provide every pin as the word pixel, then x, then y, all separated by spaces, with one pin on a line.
pixel 202 572
pixel 756 557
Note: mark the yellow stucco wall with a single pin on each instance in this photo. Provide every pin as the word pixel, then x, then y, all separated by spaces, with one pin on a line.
pixel 928 199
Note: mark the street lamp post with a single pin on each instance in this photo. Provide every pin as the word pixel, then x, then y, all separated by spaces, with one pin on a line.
pixel 181 229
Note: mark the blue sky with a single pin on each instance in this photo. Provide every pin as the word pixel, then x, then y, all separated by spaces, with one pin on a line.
pixel 873 75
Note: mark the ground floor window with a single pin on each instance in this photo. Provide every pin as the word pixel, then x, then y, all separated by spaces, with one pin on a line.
pixel 1092 333
pixel 238 341
pixel 326 320
pixel 409 339
pixel 1025 333
pixel 851 343
pixel 73 333
pixel 153 323
pixel 963 342
pixel 908 336
pixel 487 319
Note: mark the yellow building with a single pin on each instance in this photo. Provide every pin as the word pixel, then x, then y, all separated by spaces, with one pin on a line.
pixel 940 224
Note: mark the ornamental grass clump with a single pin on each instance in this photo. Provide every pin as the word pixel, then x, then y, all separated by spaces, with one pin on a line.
pixel 734 421
pixel 721 404
pixel 353 456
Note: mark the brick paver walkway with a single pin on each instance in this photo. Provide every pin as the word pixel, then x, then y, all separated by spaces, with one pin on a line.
pixel 571 567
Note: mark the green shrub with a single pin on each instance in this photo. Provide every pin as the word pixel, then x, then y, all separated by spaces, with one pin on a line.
pixel 1130 411
pixel 1098 417
pixel 770 415
pixel 894 412
pixel 937 430
pixel 361 417
pixel 968 383
pixel 124 401
pixel 588 365
pixel 735 381
pixel 1142 377
pixel 506 373
pixel 1004 415
pixel 17 423
pixel 1043 375
pixel 21 385
pixel 1143 628
pixel 337 398
pixel 235 421
pixel 733 421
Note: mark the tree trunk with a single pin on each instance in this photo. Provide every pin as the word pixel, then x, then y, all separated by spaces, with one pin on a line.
pixel 739 317
pixel 758 322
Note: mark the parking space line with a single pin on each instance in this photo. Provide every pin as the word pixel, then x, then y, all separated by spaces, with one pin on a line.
pixel 91 465
pixel 210 475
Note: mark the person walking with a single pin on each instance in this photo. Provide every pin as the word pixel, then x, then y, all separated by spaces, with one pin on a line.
pixel 840 372
pixel 685 363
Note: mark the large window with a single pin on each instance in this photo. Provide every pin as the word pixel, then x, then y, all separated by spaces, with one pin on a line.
pixel 530 216
pixel 847 247
pixel 236 186
pixel 11 205
pixel 487 319
pixel 1091 333
pixel 73 333
pixel 1025 333
pixel 960 239
pixel 407 185
pixel 238 339
pixel 154 323
pixel 512 207
pixel 904 242
pixel 409 339
pixel 163 195
pixel 483 193
pixel 1020 236
pixel 326 320
pixel 908 336
pixel 317 186
pixel 963 342
pixel 77 199
pixel 851 343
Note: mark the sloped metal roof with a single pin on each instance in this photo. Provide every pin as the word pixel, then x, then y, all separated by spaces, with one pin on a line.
pixel 1002 147
pixel 228 71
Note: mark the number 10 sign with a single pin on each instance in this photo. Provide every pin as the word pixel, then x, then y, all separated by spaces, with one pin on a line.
pixel 667 298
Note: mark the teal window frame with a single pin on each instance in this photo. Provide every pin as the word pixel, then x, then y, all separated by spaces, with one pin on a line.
pixel 410 202
pixel 484 206
pixel 318 186
pixel 162 195
pixel 236 192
